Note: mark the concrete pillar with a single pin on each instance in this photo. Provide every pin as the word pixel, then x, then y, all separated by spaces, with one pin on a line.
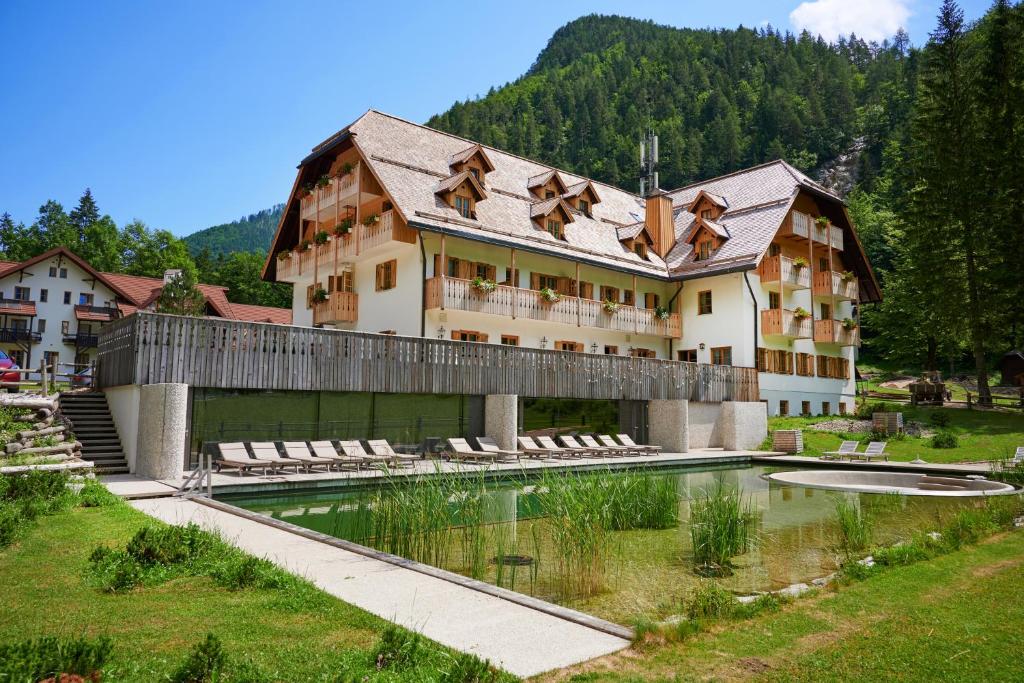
pixel 668 425
pixel 163 423
pixel 743 424
pixel 501 419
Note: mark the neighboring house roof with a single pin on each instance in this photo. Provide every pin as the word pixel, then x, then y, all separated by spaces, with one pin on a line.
pixel 262 314
pixel 137 291
pixel 1011 355
pixel 409 160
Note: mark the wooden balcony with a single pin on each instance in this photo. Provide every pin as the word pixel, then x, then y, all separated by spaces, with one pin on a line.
pixel 325 203
pixel 833 332
pixel 301 264
pixel 458 294
pixel 340 307
pixel 831 283
pixel 803 225
pixel 774 269
pixel 777 322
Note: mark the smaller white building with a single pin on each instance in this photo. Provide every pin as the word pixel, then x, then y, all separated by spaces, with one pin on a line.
pixel 53 306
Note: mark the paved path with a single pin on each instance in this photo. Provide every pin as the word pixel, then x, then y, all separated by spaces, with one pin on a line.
pixel 515 637
pixel 131 486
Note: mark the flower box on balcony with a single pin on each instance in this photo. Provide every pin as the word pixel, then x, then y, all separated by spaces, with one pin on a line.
pixel 610 307
pixel 321 238
pixel 372 219
pixel 483 285
pixel 661 313
pixel 320 296
pixel 550 296
pixel 284 255
pixel 801 313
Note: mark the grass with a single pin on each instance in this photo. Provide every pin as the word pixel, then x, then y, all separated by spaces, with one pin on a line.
pixel 945 620
pixel 855 527
pixel 45 588
pixel 980 435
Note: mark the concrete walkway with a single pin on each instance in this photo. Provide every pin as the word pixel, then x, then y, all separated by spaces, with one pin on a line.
pixel 519 639
pixel 130 486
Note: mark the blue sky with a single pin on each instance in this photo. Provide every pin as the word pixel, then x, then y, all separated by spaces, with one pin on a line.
pixel 189 114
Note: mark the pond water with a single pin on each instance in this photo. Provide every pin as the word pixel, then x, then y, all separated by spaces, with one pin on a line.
pixel 643 572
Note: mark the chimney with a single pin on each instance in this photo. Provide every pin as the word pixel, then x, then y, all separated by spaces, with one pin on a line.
pixel 171 274
pixel 658 220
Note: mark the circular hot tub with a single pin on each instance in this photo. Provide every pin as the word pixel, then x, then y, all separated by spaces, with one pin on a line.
pixel 906 483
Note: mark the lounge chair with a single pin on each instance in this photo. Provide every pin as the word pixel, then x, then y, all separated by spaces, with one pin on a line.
pixel 847 448
pixel 570 441
pixel 266 450
pixel 1018 457
pixel 325 449
pixel 381 448
pixel 591 442
pixel 354 450
pixel 875 449
pixel 626 440
pixel 568 451
pixel 607 440
pixel 298 450
pixel 488 444
pixel 461 450
pixel 531 448
pixel 235 455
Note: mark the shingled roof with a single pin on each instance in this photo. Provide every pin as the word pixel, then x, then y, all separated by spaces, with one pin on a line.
pixel 409 160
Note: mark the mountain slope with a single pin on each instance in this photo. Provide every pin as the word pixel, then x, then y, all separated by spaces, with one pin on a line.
pixel 719 100
pixel 249 233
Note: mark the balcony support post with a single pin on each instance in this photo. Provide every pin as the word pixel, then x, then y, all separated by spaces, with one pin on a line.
pixel 514 280
pixel 810 272
pixel 358 227
pixel 636 318
pixel 579 307
pixel 444 269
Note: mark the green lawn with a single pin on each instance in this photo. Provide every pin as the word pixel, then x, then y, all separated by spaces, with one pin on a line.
pixel 44 590
pixel 947 619
pixel 983 435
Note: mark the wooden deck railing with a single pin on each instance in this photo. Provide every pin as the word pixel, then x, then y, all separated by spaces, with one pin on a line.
pixel 774 268
pixel 829 282
pixel 340 307
pixel 784 323
pixel 148 348
pixel 834 332
pixel 459 294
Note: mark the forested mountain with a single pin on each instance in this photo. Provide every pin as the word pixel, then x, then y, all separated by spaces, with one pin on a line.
pixel 249 233
pixel 719 100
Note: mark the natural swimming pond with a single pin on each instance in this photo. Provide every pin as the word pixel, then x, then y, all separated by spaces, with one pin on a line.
pixel 614 544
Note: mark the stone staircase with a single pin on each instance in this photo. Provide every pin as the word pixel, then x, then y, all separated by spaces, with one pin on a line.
pixel 94 428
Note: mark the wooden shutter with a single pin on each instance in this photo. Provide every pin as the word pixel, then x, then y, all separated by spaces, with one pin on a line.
pixel 465 269
pixel 492 273
pixel 650 300
pixel 309 296
pixel 534 280
pixel 437 266
pixel 565 286
pixel 587 290
pixel 628 297
pixel 511 278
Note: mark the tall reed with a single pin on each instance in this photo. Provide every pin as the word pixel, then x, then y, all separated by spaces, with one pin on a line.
pixel 855 527
pixel 577 520
pixel 639 501
pixel 720 528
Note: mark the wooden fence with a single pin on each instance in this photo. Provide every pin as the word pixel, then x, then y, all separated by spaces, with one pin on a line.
pixel 149 348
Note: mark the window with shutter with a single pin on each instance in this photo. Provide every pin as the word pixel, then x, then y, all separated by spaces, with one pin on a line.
pixel 628 297
pixel 704 302
pixel 774 301
pixel 651 300
pixel 546 282
pixel 611 350
pixel 511 278
pixel 783 408
pixel 609 293
pixel 469 336
pixel 688 355
pixel 387 275
pixel 643 353
pixel 309 296
pixel 586 290
pixel 721 355
pixel 774 249
pixel 509 340
pixel 564 345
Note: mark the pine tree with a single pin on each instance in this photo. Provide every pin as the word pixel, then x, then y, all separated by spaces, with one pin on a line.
pixel 180 296
pixel 84 215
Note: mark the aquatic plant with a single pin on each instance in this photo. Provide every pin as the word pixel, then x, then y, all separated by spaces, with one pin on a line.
pixel 639 501
pixel 720 528
pixel 577 521
pixel 855 527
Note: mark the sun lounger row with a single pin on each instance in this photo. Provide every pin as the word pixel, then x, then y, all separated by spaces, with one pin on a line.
pixel 848 449
pixel 545 447
pixel 307 455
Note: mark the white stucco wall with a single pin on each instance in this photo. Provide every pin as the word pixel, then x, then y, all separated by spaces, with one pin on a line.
pixel 124 409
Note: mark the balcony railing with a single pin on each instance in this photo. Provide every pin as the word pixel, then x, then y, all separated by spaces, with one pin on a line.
pixel 805 226
pixel 338 192
pixel 340 307
pixel 18 334
pixel 301 263
pixel 834 332
pixel 775 268
pixel 460 295
pixel 831 283
pixel 777 322
pixel 85 340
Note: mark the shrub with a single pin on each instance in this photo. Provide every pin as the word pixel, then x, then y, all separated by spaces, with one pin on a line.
pixel 866 409
pixel 50 656
pixel 398 649
pixel 11 522
pixel 944 439
pixel 115 571
pixel 239 571
pixel 709 600
pixel 854 527
pixel 204 663
pixel 167 545
pixel 921 548
pixel 720 525
pixel 96 495
pixel 468 668
pixel 939 418
pixel 967 526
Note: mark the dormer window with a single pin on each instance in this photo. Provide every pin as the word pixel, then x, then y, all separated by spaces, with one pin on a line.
pixel 461 192
pixel 582 196
pixel 707 214
pixel 555 228
pixel 703 250
pixel 475 172
pixel 551 215
pixel 474 160
pixel 547 185
pixel 640 249
pixel 584 206
pixel 549 194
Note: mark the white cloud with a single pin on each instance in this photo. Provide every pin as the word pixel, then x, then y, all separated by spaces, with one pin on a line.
pixel 869 19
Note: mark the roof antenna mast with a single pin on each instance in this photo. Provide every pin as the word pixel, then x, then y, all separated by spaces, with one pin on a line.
pixel 648 164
